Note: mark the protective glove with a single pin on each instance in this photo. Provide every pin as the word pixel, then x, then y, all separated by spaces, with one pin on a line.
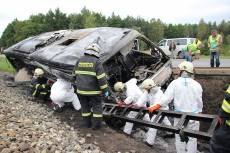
pixel 50 82
pixel 220 120
pixel 106 94
pixel 120 103
pixel 154 108
pixel 147 104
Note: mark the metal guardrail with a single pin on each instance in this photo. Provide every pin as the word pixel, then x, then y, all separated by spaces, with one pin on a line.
pixel 115 111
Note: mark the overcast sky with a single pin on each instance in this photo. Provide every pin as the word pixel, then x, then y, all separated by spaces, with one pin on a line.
pixel 169 11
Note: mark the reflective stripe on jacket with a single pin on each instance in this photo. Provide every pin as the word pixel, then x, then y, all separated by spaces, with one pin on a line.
pixel 90 76
pixel 39 86
pixel 225 108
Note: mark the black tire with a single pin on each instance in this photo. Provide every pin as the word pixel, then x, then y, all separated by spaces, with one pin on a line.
pixel 180 55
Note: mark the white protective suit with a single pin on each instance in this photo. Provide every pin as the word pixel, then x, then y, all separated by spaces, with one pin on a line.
pixel 186 94
pixel 62 91
pixel 133 93
pixel 153 97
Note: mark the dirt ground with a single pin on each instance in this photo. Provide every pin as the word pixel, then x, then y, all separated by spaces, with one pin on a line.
pixel 213 92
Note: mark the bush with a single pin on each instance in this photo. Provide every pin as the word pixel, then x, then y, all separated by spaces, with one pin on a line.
pixel 205 50
pixel 227 39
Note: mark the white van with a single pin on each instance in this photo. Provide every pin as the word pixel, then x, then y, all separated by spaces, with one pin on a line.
pixel 180 44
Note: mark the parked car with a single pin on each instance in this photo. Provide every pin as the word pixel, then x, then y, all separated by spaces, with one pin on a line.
pixel 180 44
pixel 125 53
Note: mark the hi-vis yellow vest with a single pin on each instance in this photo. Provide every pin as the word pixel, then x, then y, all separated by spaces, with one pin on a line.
pixel 214 42
pixel 226 106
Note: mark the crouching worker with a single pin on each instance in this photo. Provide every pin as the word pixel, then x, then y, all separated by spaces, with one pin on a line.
pixel 133 93
pixel 39 86
pixel 91 85
pixel 62 92
pixel 151 96
pixel 192 50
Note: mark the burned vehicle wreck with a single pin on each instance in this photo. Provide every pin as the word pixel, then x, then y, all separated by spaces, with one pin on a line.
pixel 125 53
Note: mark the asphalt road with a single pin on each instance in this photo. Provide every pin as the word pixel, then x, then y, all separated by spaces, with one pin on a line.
pixel 202 62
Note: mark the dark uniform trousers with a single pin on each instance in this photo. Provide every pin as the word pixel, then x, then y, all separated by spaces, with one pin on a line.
pixel 220 142
pixel 94 103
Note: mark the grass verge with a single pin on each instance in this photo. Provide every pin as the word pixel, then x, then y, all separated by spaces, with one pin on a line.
pixel 5 65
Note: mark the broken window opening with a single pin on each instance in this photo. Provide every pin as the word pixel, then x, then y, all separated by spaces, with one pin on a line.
pixel 68 42
pixel 123 67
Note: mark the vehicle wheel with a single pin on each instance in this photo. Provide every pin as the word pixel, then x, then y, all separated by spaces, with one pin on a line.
pixel 180 55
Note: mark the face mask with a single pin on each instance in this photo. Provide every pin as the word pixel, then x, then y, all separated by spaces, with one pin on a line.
pixel 154 90
pixel 35 77
pixel 185 74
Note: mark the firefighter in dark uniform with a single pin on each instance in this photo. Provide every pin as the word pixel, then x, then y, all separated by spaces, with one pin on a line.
pixel 39 87
pixel 220 142
pixel 91 85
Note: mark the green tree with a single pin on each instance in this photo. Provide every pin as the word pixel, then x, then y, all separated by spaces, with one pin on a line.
pixel 203 31
pixel 76 21
pixel 8 37
pixel 56 20
pixel 114 21
pixel 156 30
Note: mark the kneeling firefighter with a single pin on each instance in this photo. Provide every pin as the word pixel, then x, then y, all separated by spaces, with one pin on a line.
pixel 91 85
pixel 39 86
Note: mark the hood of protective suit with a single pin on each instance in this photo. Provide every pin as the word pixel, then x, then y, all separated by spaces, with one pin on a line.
pixel 152 98
pixel 154 90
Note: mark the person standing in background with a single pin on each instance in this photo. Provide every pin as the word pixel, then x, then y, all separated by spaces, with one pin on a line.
pixel 214 44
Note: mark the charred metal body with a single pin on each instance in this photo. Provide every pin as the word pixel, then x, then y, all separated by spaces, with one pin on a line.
pixel 125 53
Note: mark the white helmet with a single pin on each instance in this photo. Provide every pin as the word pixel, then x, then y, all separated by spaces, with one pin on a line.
pixel 93 49
pixel 148 84
pixel 119 86
pixel 38 72
pixel 186 66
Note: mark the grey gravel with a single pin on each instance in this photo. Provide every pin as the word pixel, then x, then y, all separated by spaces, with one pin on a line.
pixel 27 126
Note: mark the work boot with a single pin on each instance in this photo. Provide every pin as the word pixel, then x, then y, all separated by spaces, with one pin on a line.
pixel 97 121
pixel 56 108
pixel 86 123
pixel 146 143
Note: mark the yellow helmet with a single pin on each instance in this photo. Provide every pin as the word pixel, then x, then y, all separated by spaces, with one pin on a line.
pixel 119 86
pixel 186 66
pixel 38 72
pixel 148 84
